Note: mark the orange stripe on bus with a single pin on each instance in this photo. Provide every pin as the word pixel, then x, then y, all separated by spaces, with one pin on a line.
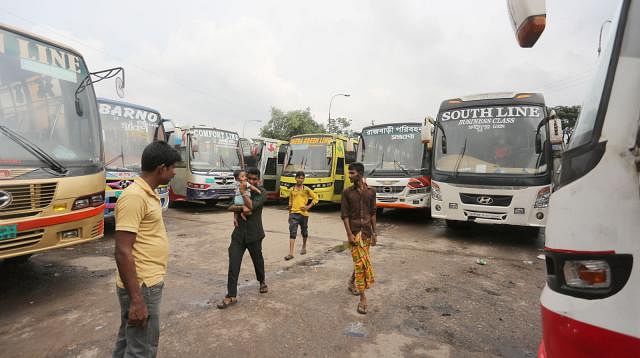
pixel 60 219
pixel 396 206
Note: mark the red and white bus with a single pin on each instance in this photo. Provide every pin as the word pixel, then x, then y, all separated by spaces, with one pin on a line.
pixel 590 303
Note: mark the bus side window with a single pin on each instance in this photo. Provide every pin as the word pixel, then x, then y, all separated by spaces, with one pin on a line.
pixel 183 155
pixel 340 166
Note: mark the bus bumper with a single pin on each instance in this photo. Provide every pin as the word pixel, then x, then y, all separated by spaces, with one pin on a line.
pixel 210 194
pixel 55 231
pixel 411 201
pixel 515 207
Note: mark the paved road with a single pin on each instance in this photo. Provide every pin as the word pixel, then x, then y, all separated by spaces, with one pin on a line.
pixel 431 299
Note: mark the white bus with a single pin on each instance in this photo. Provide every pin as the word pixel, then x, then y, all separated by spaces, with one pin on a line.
pixel 397 165
pixel 268 156
pixel 492 159
pixel 210 156
pixel 127 129
pixel 590 303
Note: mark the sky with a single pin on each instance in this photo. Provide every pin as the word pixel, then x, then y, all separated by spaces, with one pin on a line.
pixel 226 64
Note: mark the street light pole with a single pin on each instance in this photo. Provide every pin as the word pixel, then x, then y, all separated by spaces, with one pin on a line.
pixel 600 37
pixel 245 124
pixel 334 96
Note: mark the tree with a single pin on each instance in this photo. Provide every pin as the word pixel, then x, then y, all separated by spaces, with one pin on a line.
pixel 283 125
pixel 568 115
pixel 339 126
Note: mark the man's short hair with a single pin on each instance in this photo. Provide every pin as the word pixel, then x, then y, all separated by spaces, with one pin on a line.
pixel 158 153
pixel 299 174
pixel 253 171
pixel 358 167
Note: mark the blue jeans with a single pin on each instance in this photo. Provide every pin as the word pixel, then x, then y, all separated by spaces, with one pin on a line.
pixel 136 341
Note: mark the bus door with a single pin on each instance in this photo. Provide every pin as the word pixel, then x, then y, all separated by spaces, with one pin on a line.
pixel 339 167
pixel 270 169
pixel 178 185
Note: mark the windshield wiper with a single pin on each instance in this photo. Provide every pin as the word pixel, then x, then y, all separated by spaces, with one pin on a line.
pixel 34 150
pixel 377 166
pixel 121 155
pixel 464 149
pixel 397 163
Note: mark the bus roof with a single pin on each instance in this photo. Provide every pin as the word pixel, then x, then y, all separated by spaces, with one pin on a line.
pixel 392 124
pixel 492 98
pixel 332 135
pixel 122 103
pixel 40 38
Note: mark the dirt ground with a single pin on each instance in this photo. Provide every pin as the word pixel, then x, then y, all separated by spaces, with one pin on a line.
pixel 430 299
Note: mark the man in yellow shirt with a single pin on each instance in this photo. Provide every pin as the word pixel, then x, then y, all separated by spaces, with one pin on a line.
pixel 299 213
pixel 142 252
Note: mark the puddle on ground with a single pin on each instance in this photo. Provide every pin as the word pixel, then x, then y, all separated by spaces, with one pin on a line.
pixel 310 262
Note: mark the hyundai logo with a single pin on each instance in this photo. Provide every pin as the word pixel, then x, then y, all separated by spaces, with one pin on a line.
pixel 484 200
pixel 5 199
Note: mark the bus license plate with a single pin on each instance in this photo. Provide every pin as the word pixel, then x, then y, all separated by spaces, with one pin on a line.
pixel 8 232
pixel 224 197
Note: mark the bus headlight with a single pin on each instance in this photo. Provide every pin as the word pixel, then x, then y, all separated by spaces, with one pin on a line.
pixel 435 192
pixel 93 200
pixel 542 200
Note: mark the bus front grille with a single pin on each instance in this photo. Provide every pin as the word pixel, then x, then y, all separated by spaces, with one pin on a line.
pixel 486 200
pixel 22 239
pixel 27 199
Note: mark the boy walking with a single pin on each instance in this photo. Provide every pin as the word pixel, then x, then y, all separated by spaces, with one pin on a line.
pixel 142 252
pixel 299 213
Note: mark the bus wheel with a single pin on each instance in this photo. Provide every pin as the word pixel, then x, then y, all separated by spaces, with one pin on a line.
pixel 379 211
pixel 427 212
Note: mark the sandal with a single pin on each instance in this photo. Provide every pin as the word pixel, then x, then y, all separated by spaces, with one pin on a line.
pixel 303 252
pixel 352 288
pixel 226 302
pixel 362 308
pixel 263 287
pixel 288 257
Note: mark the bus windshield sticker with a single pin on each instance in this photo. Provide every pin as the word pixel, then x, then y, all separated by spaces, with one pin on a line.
pixel 488 118
pixel 397 132
pixel 220 137
pixel 311 140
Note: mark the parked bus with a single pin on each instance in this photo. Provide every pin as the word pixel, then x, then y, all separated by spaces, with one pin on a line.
pixel 51 162
pixel 397 165
pixel 128 129
pixel 590 302
pixel 492 159
pixel 324 159
pixel 267 155
pixel 210 156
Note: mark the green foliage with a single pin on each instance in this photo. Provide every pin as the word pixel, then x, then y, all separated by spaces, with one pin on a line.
pixel 340 126
pixel 283 125
pixel 568 115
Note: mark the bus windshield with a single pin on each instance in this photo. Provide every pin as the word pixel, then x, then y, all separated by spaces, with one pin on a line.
pixel 313 159
pixel 395 148
pixel 37 105
pixel 495 140
pixel 213 156
pixel 128 132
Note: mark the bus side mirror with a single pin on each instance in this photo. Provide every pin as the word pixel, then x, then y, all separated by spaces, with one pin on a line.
pixel 528 19
pixel 427 132
pixel 194 144
pixel 555 129
pixel 168 126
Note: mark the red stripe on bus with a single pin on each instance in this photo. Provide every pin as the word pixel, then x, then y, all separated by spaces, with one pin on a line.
pixel 563 251
pixel 567 338
pixel 61 219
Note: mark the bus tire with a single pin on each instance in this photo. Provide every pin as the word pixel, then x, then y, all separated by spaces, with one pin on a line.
pixel 427 212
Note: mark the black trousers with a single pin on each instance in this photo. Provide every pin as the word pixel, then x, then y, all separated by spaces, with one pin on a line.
pixel 236 252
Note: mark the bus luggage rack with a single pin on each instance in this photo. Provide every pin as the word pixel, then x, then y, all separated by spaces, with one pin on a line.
pixel 27 199
pixel 487 200
pixel 22 239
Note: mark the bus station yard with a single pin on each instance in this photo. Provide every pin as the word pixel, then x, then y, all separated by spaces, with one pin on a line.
pixel 439 292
